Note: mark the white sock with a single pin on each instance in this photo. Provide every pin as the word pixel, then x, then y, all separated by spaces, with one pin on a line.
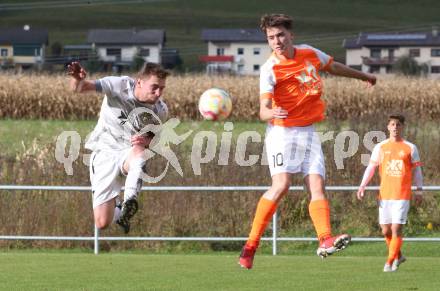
pixel 133 180
pixel 116 214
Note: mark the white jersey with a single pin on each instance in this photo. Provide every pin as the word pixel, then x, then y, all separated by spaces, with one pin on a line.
pixel 118 119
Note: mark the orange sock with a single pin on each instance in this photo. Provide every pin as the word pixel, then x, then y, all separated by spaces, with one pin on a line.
pixel 265 209
pixel 388 241
pixel 394 249
pixel 320 213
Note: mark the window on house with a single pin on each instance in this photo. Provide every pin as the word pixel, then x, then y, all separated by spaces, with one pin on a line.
pixel 256 67
pixel 374 69
pixel 4 52
pixel 113 51
pixel 144 52
pixel 240 51
pixel 414 53
pixel 240 68
pixel 256 51
pixel 435 52
pixel 27 50
pixel 435 69
pixel 391 53
pixel 220 51
pixel 375 53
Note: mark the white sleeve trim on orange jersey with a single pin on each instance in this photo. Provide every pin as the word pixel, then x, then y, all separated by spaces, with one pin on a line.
pixel 375 155
pixel 267 77
pixel 415 157
pixel 324 58
pixel 369 173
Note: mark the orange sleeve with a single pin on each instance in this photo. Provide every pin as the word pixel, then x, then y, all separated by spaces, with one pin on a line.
pixel 330 61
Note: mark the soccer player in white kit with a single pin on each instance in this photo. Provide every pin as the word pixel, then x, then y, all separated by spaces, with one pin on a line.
pixel 290 101
pixel 399 165
pixel 130 111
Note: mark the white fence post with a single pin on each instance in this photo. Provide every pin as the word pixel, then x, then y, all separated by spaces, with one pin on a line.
pixel 96 240
pixel 274 233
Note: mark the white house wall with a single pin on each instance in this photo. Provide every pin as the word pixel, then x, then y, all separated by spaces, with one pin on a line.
pixel 354 57
pixel 128 53
pixel 245 62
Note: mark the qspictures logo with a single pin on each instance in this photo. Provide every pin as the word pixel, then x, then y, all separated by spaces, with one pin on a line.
pixel 222 147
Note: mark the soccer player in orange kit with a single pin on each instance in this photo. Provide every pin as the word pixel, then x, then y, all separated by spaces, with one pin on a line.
pixel 290 101
pixel 398 160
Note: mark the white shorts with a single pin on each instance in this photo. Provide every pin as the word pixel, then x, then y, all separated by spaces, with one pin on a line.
pixel 106 175
pixel 393 211
pixel 293 150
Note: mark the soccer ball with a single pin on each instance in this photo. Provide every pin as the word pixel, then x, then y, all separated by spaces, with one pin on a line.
pixel 215 104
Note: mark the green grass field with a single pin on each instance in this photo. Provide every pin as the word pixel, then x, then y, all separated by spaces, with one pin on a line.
pixel 79 271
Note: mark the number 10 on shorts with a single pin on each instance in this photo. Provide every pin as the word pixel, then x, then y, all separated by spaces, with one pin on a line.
pixel 277 160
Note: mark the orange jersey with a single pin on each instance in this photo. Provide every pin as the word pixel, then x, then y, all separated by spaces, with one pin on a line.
pixel 396 161
pixel 295 85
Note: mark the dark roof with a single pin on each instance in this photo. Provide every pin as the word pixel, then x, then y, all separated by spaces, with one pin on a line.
pixel 22 36
pixel 393 40
pixel 126 36
pixel 233 35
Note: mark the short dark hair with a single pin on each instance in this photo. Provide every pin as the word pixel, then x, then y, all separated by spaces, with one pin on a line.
pixel 153 69
pixel 275 20
pixel 399 117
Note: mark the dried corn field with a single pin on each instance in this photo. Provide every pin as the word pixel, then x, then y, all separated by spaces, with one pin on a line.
pixel 48 97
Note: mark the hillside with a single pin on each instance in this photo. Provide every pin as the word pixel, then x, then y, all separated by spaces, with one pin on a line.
pixel 323 24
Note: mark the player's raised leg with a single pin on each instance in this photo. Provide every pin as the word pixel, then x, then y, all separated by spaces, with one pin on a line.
pixel 106 213
pixel 319 211
pixel 106 185
pixel 133 183
pixel 265 209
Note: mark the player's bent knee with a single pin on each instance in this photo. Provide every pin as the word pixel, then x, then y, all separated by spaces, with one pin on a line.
pixel 276 192
pixel 386 231
pixel 102 222
pixel 280 187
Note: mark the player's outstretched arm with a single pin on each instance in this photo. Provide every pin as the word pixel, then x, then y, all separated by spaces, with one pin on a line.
pixel 369 173
pixel 78 82
pixel 339 69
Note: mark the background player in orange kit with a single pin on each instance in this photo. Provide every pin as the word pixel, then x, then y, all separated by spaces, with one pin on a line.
pixel 397 159
pixel 290 101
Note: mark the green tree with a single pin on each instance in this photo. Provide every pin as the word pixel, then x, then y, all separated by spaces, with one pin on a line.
pixel 137 63
pixel 94 64
pixel 56 48
pixel 408 66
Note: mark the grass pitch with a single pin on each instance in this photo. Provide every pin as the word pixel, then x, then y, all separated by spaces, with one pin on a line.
pixel 80 271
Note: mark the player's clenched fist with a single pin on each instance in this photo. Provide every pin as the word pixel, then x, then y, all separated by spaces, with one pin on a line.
pixel 75 70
